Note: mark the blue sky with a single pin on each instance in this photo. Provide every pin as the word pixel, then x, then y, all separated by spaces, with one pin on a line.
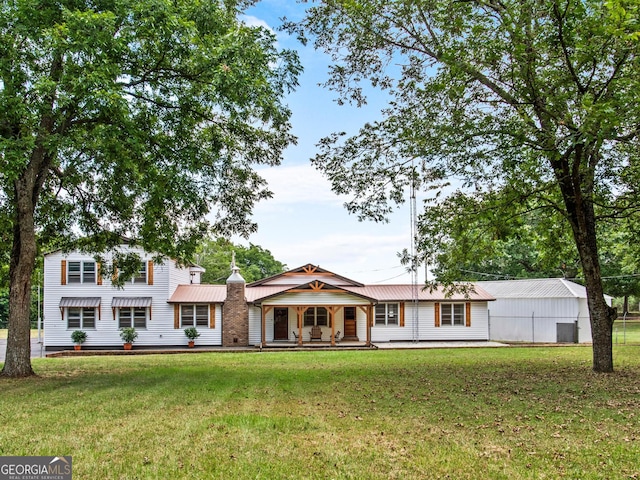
pixel 305 222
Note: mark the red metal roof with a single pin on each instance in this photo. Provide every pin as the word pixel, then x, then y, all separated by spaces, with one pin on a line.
pixel 199 294
pixel 382 293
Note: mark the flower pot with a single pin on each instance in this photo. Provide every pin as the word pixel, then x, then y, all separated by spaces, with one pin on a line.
pixel 127 346
pixel 77 347
pixel 191 343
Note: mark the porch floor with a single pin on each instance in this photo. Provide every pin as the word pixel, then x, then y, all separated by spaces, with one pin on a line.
pixel 286 345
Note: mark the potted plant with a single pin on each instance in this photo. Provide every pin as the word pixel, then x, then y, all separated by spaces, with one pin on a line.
pixel 128 336
pixel 78 337
pixel 191 333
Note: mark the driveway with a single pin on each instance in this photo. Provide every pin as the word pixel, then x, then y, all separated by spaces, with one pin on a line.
pixel 36 351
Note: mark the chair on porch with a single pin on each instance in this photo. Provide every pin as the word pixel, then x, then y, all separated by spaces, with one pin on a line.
pixel 295 335
pixel 337 336
pixel 316 333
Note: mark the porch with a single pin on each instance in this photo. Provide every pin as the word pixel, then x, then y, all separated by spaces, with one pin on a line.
pixel 316 326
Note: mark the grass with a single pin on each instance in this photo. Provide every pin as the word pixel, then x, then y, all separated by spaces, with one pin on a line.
pixel 626 332
pixel 509 413
pixel 3 333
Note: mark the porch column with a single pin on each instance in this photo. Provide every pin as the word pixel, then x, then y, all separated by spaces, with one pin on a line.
pixel 263 339
pixel 300 311
pixel 264 311
pixel 332 320
pixel 369 312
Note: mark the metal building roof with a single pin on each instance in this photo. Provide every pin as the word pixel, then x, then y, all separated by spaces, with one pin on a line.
pixel 535 288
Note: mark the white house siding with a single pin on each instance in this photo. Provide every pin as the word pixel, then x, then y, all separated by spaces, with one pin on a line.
pixel 177 276
pixel 255 325
pixel 535 319
pixel 159 329
pixel 428 331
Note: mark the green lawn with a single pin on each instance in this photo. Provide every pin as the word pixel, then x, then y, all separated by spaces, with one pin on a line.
pixel 506 413
pixel 626 332
pixel 3 333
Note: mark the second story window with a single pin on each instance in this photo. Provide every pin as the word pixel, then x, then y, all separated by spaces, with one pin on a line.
pixel 141 276
pixel 81 272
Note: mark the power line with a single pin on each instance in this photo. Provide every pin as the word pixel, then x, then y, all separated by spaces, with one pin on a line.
pixel 390 278
pixel 513 277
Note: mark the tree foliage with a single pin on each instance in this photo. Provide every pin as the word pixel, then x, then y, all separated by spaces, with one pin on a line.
pixel 511 105
pixel 254 262
pixel 536 243
pixel 522 244
pixel 132 118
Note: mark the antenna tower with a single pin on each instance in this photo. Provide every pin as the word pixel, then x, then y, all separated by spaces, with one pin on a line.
pixel 414 257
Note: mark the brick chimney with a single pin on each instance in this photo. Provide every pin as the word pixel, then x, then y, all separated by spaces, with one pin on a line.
pixel 235 311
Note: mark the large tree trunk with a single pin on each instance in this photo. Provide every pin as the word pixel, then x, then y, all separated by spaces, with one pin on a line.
pixel 27 189
pixel 577 191
pixel 23 255
pixel 601 315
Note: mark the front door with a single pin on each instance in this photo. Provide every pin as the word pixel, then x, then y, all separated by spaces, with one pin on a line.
pixel 350 323
pixel 281 324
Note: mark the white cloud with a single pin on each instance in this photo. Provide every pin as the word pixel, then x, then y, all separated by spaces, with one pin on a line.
pixel 296 185
pixel 251 21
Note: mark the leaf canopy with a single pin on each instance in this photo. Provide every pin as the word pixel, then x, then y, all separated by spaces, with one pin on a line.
pixel 139 118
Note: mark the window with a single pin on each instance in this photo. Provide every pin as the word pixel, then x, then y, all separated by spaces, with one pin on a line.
pixel 194 315
pixel 81 272
pixel 141 276
pixel 452 314
pixel 132 317
pixel 78 317
pixel 387 313
pixel 349 313
pixel 316 316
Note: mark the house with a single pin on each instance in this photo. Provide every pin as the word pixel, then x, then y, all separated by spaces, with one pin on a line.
pixel 77 297
pixel 306 304
pixel 547 310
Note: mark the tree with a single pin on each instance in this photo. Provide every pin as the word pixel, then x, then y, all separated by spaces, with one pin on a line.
pixel 255 263
pixel 529 101
pixel 502 242
pixel 497 244
pixel 132 118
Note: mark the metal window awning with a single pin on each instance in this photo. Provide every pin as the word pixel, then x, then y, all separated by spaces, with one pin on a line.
pixel 119 302
pixel 79 302
pixel 87 302
pixel 126 302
